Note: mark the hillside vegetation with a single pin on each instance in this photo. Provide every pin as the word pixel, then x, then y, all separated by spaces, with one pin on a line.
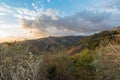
pixel 95 57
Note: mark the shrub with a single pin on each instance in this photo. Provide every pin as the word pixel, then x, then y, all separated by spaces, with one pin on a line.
pixel 59 66
pixel 22 67
pixel 30 66
pixel 83 63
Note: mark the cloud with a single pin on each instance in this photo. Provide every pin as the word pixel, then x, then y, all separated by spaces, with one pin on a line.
pixel 115 4
pixel 28 14
pixel 5 9
pixel 1 13
pixel 52 12
pixel 48 12
pixel 20 12
pixel 110 6
pixel 76 24
pixel 95 17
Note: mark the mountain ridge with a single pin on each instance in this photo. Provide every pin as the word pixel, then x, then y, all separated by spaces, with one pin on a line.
pixel 73 44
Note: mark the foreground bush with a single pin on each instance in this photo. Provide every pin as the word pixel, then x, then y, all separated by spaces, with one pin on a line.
pixel 83 65
pixel 20 64
pixel 27 67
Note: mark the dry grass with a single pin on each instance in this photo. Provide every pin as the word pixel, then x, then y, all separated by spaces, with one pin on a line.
pixel 107 61
pixel 27 67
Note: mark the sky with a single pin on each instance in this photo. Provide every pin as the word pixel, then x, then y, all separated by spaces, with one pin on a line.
pixel 32 19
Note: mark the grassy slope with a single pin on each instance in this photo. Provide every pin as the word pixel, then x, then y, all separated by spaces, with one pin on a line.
pixel 92 42
pixel 107 60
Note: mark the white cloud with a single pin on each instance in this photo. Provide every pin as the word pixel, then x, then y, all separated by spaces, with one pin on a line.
pixel 110 6
pixel 26 13
pixel 1 13
pixel 53 13
pixel 6 9
pixel 48 12
pixel 20 12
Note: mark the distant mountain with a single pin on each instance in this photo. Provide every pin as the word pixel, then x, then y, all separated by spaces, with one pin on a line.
pixel 51 43
pixel 48 44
